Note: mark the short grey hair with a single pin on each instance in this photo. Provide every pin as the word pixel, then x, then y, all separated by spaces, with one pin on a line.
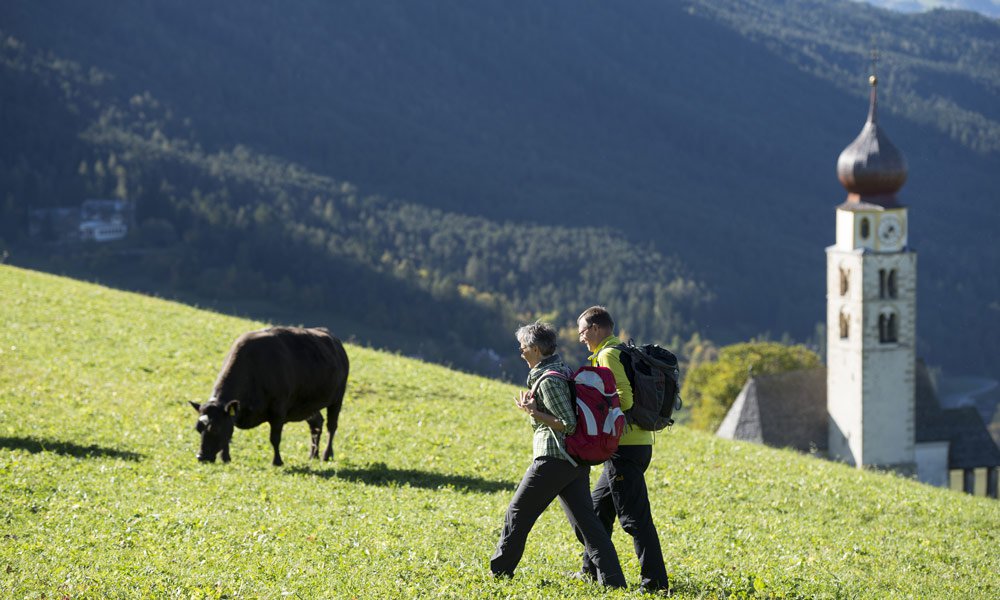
pixel 541 335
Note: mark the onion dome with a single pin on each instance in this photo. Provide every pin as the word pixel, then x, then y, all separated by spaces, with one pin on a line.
pixel 871 168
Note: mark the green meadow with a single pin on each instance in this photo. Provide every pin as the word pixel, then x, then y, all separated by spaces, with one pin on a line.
pixel 101 495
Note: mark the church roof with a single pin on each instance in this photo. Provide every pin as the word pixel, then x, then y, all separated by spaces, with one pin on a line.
pixel 971 446
pixel 788 410
pixel 929 418
pixel 785 410
pixel 872 168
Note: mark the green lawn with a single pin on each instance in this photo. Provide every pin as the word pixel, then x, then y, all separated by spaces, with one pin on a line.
pixel 102 496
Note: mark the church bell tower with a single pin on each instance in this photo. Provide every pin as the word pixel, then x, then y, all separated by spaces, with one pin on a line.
pixel 871 308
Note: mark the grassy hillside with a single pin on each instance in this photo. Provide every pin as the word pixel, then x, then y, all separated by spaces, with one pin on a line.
pixel 102 496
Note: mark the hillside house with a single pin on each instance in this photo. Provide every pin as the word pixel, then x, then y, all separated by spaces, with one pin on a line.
pixel 105 220
pixel 95 220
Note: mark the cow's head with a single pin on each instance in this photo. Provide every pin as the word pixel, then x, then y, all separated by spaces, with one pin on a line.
pixel 215 424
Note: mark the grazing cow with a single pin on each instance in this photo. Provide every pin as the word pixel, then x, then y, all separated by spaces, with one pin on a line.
pixel 276 375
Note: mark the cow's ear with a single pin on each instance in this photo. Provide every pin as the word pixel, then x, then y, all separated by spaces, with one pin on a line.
pixel 196 406
pixel 232 407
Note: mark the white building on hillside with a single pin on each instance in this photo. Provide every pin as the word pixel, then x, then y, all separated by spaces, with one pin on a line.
pixel 874 404
pixel 871 309
pixel 105 220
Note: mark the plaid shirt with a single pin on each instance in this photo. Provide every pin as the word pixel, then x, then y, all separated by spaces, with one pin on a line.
pixel 552 397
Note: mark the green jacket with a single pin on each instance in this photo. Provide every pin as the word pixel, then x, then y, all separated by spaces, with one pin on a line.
pixel 606 356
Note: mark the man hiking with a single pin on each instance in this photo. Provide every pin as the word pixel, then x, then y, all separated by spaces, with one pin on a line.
pixel 621 488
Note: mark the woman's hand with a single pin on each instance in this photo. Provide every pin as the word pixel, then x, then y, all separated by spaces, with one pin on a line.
pixel 525 402
pixel 529 405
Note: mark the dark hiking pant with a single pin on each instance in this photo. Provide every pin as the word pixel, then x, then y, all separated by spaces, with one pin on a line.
pixel 621 490
pixel 546 479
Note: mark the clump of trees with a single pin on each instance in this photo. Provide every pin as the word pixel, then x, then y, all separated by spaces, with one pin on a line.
pixel 710 388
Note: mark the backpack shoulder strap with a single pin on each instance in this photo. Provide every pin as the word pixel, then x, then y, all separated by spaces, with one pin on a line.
pixel 626 348
pixel 606 349
pixel 547 375
pixel 625 345
pixel 534 388
pixel 561 449
pixel 624 357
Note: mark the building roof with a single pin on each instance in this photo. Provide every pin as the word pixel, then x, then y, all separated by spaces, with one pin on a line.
pixel 872 168
pixel 788 410
pixel 929 419
pixel 784 410
pixel 971 445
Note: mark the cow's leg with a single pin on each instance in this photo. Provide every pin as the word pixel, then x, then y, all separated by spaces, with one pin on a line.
pixel 331 426
pixel 333 417
pixel 276 442
pixel 225 453
pixel 316 432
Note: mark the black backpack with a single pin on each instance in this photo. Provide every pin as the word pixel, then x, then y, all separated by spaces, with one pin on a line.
pixel 653 373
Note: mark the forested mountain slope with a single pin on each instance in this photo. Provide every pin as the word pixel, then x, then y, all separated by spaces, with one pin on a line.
pixel 706 129
pixel 253 233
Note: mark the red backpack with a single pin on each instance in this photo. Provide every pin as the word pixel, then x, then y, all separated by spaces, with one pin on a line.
pixel 599 417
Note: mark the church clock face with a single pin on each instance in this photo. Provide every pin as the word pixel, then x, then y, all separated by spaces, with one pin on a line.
pixel 890 230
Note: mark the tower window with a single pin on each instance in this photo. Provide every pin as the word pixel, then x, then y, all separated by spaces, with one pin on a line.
pixel 865 228
pixel 888 328
pixel 845 325
pixel 887 283
pixel 845 277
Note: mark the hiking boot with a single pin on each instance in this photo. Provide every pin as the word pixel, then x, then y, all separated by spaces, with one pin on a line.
pixel 581 576
pixel 652 588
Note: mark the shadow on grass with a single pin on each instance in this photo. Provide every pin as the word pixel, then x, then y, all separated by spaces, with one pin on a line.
pixel 35 446
pixel 380 474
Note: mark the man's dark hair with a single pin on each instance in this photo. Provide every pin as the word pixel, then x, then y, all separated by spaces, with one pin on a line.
pixel 539 334
pixel 597 315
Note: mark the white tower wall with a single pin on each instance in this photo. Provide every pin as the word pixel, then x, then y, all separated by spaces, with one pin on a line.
pixel 844 366
pixel 870 365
